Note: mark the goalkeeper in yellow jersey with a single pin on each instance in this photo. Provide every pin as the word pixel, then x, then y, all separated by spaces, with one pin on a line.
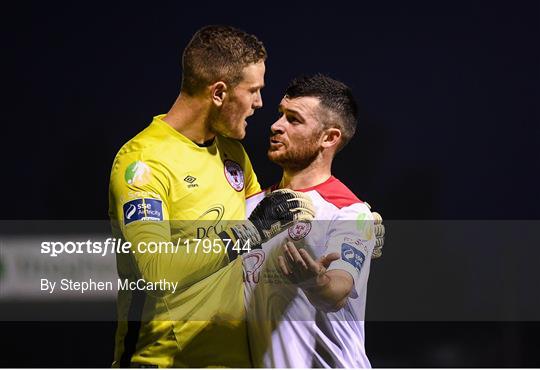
pixel 184 181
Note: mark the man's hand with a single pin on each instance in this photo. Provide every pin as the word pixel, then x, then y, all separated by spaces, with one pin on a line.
pixel 275 213
pixel 300 268
pixel 379 233
pixel 326 290
pixel 279 210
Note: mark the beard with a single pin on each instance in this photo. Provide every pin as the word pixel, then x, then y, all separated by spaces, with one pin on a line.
pixel 298 157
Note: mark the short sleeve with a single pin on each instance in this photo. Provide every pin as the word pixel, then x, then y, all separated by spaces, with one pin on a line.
pixel 351 235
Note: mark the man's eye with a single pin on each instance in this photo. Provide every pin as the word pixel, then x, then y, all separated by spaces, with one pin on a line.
pixel 292 119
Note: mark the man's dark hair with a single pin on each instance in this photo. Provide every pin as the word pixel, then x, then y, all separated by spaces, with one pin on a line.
pixel 218 53
pixel 335 97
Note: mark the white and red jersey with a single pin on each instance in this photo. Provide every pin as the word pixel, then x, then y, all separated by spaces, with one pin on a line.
pixel 285 329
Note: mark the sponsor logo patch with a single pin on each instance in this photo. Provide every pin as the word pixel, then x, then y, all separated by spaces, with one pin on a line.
pixel 145 209
pixel 234 174
pixel 299 230
pixel 352 255
pixel 211 219
pixel 137 173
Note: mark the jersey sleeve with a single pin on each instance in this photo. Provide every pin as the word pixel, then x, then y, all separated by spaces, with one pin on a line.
pixel 351 235
pixel 139 209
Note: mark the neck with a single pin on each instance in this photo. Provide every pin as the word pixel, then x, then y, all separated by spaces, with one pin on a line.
pixel 190 116
pixel 316 173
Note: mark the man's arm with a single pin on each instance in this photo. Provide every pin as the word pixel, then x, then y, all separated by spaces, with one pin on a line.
pixel 275 213
pixel 379 233
pixel 350 242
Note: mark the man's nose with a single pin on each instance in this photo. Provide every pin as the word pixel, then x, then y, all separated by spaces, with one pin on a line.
pixel 258 103
pixel 277 127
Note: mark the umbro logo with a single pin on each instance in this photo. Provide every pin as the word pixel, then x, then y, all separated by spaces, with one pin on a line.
pixel 190 180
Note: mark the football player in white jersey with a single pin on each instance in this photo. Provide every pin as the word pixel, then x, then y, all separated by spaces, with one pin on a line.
pixel 306 288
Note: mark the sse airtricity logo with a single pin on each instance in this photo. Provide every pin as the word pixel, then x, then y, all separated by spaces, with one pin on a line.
pixel 144 209
pixel 131 211
pixel 137 173
pixel 352 255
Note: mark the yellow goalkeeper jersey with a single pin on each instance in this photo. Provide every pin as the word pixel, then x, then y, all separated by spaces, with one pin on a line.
pixel 165 188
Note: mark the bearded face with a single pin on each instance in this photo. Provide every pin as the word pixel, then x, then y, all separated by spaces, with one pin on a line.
pixel 295 141
pixel 294 151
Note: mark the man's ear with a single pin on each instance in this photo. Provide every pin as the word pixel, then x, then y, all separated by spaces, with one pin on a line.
pixel 218 92
pixel 331 137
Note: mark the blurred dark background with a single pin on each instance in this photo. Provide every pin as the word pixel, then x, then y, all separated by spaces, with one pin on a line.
pixel 449 130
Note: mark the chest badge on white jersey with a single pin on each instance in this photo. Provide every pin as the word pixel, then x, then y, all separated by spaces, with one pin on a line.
pixel 299 230
pixel 234 174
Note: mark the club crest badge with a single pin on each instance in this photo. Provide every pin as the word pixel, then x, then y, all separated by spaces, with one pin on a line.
pixel 299 230
pixel 234 174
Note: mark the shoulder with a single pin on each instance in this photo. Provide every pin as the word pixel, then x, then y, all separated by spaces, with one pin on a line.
pixel 142 158
pixel 151 142
pixel 157 145
pixel 336 193
pixel 142 155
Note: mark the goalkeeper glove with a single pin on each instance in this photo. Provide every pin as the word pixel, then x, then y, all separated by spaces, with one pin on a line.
pixel 276 212
pixel 379 233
